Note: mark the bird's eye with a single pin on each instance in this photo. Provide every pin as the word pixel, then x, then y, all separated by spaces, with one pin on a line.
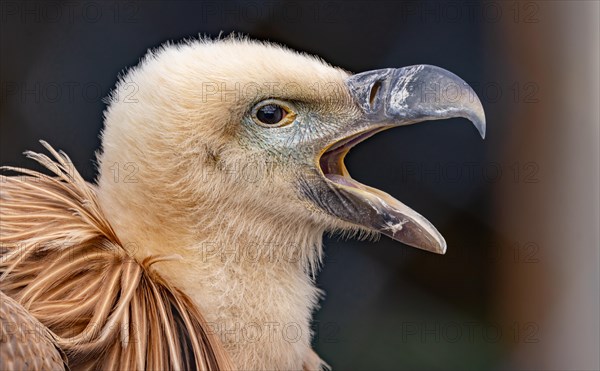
pixel 272 114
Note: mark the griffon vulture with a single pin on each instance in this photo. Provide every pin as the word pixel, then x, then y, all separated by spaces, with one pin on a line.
pixel 222 165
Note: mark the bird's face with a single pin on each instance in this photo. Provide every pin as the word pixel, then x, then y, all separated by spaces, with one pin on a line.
pixel 268 129
pixel 310 138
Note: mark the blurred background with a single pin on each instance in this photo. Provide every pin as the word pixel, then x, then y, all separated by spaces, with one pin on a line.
pixel 519 285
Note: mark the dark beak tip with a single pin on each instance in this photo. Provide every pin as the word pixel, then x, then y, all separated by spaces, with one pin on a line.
pixel 439 249
pixel 481 122
pixel 477 117
pixel 431 241
pixel 436 249
pixel 443 249
pixel 481 127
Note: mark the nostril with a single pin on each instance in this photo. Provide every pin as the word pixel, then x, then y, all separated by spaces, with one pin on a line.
pixel 374 90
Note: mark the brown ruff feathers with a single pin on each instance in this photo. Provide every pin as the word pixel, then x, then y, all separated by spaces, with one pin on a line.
pixel 62 261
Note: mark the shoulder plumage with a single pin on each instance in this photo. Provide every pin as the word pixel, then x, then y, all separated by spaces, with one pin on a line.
pixel 64 265
pixel 25 342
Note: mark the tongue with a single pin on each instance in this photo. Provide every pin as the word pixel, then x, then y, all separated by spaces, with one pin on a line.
pixel 340 179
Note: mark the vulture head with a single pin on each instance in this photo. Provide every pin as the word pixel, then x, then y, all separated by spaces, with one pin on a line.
pixel 234 135
pixel 229 156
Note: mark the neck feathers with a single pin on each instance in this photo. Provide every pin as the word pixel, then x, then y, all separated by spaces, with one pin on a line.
pixel 72 273
pixel 137 290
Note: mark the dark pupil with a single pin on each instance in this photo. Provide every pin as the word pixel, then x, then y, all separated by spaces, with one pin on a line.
pixel 270 114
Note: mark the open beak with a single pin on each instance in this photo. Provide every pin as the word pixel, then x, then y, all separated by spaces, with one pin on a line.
pixel 390 98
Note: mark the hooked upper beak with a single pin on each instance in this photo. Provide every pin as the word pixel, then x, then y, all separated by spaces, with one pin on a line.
pixel 390 98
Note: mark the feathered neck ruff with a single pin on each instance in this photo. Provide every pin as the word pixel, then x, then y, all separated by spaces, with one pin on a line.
pixel 62 261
